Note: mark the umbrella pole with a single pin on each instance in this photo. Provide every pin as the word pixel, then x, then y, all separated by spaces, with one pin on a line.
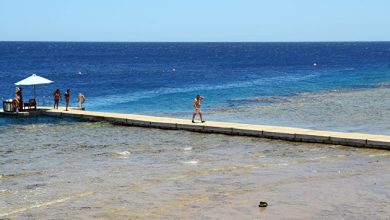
pixel 34 91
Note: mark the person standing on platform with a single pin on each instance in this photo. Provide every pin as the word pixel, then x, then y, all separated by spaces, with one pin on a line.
pixel 81 100
pixel 67 99
pixel 20 98
pixel 16 104
pixel 57 97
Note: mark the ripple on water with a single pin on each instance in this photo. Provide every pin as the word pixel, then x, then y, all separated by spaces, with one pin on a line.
pixel 191 162
pixel 119 154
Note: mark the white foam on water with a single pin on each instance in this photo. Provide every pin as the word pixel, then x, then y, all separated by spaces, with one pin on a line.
pixel 123 154
pixel 193 162
pixel 318 158
pixel 282 164
pixel 379 155
pixel 187 148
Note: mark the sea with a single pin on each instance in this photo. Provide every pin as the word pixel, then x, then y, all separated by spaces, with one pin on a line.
pixel 61 168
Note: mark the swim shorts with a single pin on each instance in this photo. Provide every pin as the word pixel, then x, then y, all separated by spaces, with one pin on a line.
pixel 197 111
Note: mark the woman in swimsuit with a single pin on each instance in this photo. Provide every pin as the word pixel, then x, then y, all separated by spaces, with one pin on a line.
pixel 20 95
pixel 57 97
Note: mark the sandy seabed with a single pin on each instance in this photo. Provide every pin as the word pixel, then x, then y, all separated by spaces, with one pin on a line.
pixel 85 170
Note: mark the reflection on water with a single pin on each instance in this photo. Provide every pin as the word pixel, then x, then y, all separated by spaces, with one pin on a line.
pixel 96 170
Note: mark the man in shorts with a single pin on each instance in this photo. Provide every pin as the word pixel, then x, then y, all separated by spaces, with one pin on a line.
pixel 197 103
pixel 67 99
pixel 81 100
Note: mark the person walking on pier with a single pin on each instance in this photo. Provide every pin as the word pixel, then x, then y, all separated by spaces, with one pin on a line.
pixel 67 98
pixel 197 103
pixel 57 97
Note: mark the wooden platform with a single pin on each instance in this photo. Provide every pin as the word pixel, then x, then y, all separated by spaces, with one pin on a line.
pixel 262 131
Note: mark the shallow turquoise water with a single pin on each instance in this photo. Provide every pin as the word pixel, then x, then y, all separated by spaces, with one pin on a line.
pixel 95 170
pixel 361 110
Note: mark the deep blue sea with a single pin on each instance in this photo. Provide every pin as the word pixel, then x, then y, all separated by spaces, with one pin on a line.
pixel 165 77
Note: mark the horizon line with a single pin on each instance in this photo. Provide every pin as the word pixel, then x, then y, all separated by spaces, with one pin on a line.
pixel 66 41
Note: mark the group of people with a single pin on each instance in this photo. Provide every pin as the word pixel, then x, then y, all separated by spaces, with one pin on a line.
pixel 57 97
pixel 18 102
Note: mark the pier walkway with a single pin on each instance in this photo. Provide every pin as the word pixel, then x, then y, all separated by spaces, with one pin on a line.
pixel 261 131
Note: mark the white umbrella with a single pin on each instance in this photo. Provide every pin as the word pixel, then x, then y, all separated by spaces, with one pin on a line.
pixel 32 81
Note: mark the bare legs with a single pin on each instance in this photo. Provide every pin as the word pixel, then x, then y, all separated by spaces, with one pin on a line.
pixel 56 104
pixel 200 115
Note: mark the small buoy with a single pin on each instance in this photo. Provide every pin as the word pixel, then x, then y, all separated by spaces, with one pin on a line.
pixel 315 64
pixel 263 204
pixel 173 70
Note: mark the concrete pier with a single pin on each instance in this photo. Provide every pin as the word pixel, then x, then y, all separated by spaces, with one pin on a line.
pixel 261 131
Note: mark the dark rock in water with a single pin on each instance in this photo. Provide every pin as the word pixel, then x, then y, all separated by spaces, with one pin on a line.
pixel 263 204
pixel 85 207
pixel 34 186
